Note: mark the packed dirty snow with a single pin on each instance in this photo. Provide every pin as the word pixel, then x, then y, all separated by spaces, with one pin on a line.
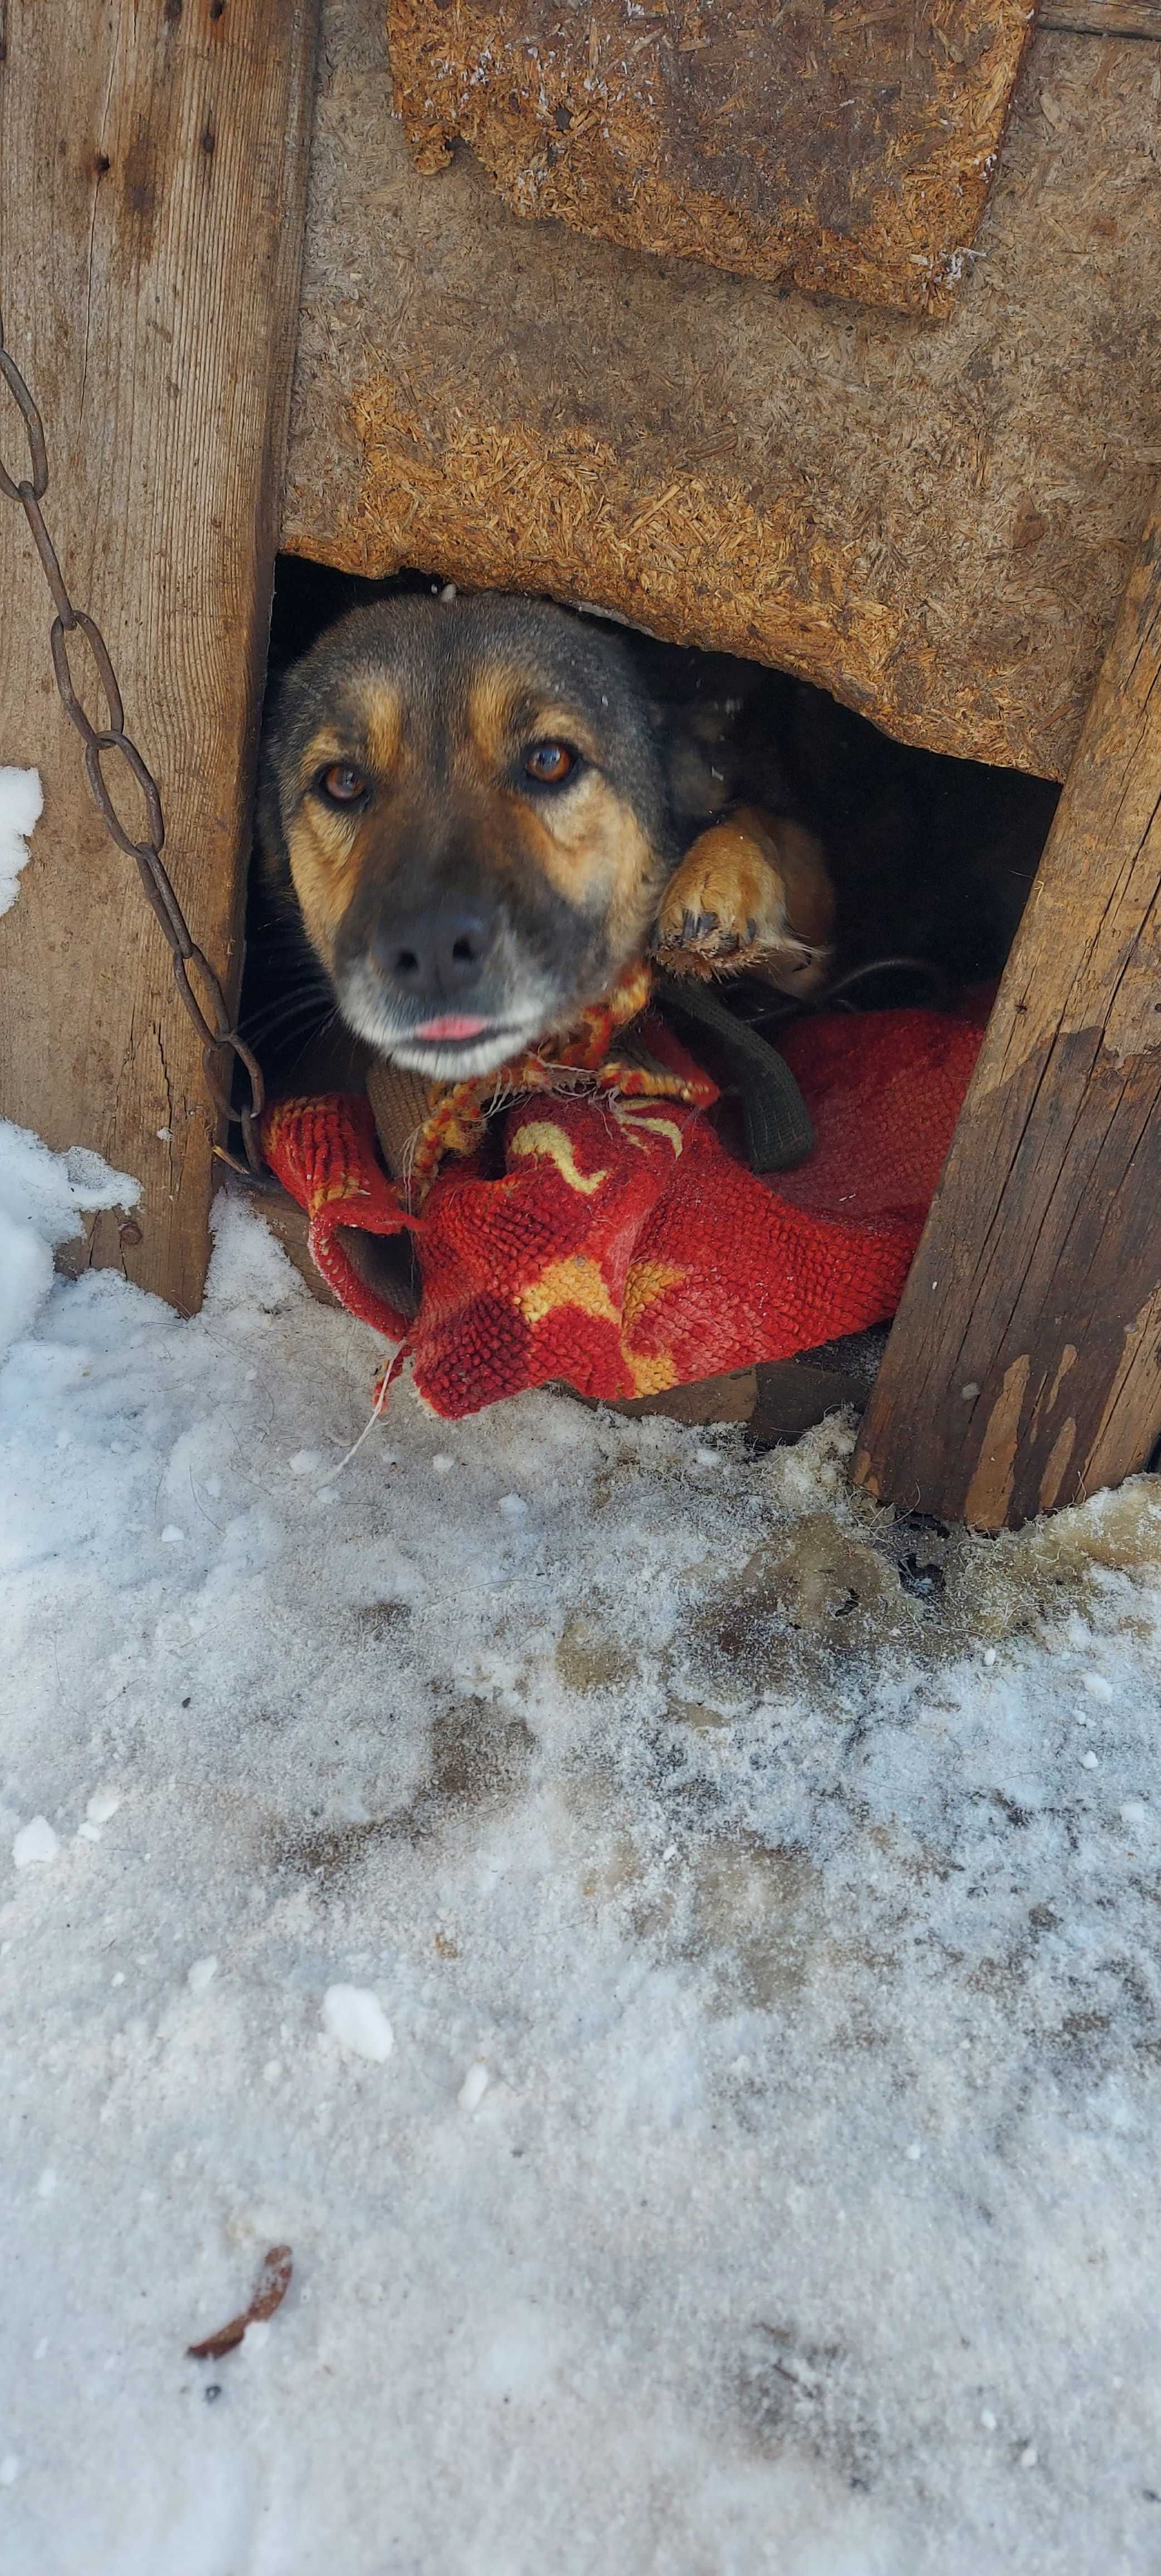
pixel 671 1950
pixel 21 807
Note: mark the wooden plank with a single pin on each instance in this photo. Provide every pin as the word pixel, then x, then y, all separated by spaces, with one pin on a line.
pixel 1024 1370
pixel 153 158
pixel 1103 17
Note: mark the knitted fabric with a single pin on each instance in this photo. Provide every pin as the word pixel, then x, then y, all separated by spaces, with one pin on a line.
pixel 619 1246
pixel 420 1123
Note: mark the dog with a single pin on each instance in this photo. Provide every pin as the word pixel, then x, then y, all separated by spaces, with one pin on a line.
pixel 486 812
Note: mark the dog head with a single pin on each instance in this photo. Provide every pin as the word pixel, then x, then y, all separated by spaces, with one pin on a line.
pixel 469 802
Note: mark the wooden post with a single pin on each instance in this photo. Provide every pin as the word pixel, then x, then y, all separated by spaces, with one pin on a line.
pixel 153 159
pixel 1024 1370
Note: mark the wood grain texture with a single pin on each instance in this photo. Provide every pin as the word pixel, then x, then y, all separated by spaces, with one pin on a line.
pixel 1103 17
pixel 846 149
pixel 933 522
pixel 1024 1370
pixel 153 160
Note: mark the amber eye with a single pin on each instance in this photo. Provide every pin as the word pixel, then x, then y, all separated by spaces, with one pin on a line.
pixel 342 783
pixel 550 763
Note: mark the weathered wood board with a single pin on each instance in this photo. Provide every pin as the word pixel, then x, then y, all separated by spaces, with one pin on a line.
pixel 1024 1370
pixel 1103 17
pixel 933 521
pixel 152 191
pixel 846 149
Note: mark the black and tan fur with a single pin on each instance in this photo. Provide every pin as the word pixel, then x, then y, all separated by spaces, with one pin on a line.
pixel 457 884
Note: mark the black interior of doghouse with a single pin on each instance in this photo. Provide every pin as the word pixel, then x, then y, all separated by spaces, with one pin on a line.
pixel 932 857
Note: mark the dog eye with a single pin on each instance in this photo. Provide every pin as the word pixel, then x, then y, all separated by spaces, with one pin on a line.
pixel 342 783
pixel 550 763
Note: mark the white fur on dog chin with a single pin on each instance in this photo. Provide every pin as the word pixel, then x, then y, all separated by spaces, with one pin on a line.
pixel 21 807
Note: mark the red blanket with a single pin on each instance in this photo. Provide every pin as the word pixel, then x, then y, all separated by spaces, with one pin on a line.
pixel 621 1247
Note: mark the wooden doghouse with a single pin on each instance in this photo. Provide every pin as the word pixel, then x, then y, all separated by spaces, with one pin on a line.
pixel 830 336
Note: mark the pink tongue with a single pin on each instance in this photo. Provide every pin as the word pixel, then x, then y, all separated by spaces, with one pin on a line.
pixel 451 1027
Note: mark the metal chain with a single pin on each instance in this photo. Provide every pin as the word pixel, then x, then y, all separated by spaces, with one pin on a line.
pixel 217 1031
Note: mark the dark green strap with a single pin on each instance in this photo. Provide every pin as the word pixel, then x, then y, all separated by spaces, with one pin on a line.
pixel 777 1121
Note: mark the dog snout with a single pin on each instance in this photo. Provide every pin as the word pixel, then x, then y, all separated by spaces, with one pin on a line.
pixel 433 953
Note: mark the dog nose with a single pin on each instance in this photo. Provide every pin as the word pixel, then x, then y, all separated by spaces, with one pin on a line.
pixel 429 955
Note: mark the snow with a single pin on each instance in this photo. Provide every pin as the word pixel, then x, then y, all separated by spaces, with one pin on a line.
pixel 21 806
pixel 702 1872
pixel 43 1197
pixel 35 1842
pixel 355 2017
pixel 474 2086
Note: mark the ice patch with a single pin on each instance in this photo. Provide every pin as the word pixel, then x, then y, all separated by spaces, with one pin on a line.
pixel 21 806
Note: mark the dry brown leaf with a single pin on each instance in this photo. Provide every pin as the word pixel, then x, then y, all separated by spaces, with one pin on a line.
pixel 270 2290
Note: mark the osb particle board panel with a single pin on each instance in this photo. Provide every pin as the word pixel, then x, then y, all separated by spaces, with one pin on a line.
pixel 845 148
pixel 933 521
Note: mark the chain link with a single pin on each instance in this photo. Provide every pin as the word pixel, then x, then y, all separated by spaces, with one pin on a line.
pixel 193 972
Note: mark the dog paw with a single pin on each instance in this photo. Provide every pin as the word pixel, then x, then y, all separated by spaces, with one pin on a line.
pixel 752 894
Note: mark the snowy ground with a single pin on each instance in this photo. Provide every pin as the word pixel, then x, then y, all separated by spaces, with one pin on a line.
pixel 791 1878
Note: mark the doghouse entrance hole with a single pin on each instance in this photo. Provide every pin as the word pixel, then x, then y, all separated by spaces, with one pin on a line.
pixel 932 857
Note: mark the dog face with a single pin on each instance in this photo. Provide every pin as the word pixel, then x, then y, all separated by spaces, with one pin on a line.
pixel 468 799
